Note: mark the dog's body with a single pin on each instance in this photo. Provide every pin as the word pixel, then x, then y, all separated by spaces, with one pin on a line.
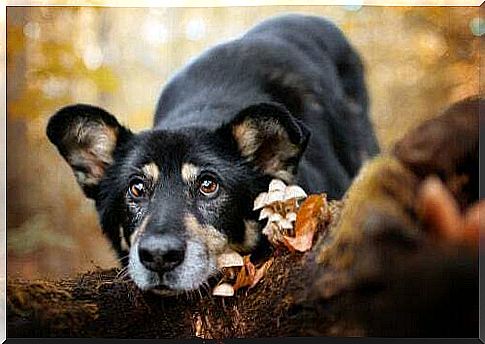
pixel 178 195
pixel 302 62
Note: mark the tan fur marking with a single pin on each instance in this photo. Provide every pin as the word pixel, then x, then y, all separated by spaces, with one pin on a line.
pixel 269 154
pixel 151 170
pixel 215 241
pixel 90 145
pixel 124 245
pixel 189 172
pixel 246 138
pixel 139 231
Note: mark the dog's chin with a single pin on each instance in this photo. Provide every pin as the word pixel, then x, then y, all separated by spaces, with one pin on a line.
pixel 164 291
pixel 195 270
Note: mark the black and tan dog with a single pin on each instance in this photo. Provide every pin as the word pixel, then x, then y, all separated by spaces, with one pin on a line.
pixel 175 196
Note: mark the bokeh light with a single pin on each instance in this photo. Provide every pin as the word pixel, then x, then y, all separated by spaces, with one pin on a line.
pixel 195 29
pixel 477 26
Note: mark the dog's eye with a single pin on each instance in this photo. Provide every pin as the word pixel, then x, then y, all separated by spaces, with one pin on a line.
pixel 208 185
pixel 137 188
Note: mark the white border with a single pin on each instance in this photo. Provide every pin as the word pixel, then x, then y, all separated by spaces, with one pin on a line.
pixel 143 3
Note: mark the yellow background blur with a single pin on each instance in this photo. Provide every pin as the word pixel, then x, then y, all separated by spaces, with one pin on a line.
pixel 418 60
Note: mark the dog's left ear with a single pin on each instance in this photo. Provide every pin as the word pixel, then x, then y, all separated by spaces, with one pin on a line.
pixel 268 136
pixel 86 136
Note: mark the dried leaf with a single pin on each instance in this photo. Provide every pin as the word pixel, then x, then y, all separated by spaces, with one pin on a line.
pixel 310 216
pixel 261 272
pixel 249 276
pixel 246 276
pixel 223 289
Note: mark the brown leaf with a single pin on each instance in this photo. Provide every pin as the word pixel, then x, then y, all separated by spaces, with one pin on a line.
pixel 249 276
pixel 261 272
pixel 311 214
pixel 246 275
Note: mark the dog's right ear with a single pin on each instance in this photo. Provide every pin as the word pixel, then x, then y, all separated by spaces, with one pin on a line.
pixel 86 137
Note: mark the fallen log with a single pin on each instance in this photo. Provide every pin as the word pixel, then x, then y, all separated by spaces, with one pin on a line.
pixel 382 268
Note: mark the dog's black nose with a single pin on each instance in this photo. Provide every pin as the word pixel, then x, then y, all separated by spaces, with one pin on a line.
pixel 161 253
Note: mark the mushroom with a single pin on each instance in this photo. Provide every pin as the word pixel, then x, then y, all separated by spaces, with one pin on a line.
pixel 285 224
pixel 291 216
pixel 261 201
pixel 294 192
pixel 277 185
pixel 275 196
pixel 223 289
pixel 275 217
pixel 229 258
pixel 279 205
pixel 265 213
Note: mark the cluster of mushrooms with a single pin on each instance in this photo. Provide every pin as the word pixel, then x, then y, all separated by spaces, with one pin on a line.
pixel 280 206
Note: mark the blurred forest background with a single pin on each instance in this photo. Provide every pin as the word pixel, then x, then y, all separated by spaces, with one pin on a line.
pixel 418 60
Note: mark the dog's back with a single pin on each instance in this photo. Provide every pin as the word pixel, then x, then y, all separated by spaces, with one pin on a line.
pixel 303 62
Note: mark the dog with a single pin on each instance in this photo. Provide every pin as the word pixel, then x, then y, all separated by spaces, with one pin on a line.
pixel 285 100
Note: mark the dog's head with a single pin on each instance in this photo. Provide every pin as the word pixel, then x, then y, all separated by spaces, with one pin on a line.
pixel 174 200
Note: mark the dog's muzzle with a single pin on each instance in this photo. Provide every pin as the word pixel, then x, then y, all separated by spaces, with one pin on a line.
pixel 161 253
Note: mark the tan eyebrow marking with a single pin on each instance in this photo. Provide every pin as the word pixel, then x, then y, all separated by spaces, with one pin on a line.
pixel 189 172
pixel 151 170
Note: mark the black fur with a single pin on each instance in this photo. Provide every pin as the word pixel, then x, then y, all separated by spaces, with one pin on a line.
pixel 286 100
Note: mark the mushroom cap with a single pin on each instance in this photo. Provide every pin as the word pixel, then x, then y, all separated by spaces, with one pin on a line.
pixel 261 201
pixel 229 258
pixel 265 213
pixel 278 192
pixel 294 191
pixel 275 196
pixel 285 224
pixel 223 289
pixel 291 217
pixel 275 217
pixel 276 185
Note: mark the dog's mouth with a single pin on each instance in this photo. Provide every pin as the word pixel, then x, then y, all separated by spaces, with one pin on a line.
pixel 163 291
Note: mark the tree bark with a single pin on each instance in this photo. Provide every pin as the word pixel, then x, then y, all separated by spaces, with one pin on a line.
pixel 376 270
